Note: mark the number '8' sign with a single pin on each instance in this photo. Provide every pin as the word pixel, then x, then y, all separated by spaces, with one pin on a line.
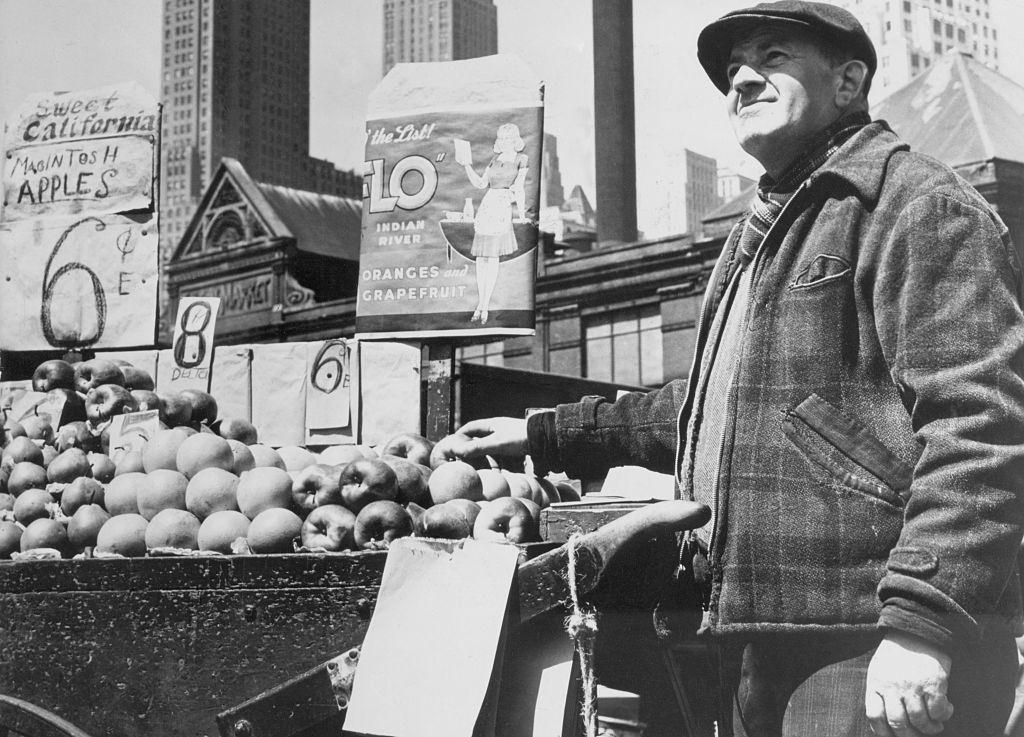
pixel 190 347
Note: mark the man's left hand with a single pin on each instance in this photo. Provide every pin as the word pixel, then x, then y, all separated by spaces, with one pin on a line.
pixel 906 687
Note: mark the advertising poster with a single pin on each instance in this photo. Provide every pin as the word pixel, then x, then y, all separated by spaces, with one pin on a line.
pixel 80 282
pixel 84 152
pixel 450 200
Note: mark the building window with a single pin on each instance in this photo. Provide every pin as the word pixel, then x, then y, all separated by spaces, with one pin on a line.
pixel 488 354
pixel 625 347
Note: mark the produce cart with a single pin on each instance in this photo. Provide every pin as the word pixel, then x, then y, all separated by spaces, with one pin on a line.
pixel 167 645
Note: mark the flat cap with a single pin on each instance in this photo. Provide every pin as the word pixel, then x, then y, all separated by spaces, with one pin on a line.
pixel 833 25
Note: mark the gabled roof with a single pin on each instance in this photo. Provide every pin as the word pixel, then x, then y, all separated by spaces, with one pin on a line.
pixel 959 111
pixel 319 223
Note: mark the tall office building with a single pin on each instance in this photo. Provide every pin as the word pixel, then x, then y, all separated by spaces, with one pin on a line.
pixel 438 30
pixel 909 35
pixel 676 202
pixel 236 83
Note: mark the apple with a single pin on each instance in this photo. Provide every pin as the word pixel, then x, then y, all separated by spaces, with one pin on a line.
pixel 380 522
pixel 204 406
pixel 49 453
pixel 264 488
pixel 316 486
pixel 21 449
pixel 567 492
pixel 10 538
pixel 130 462
pixel 6 503
pixel 95 373
pixel 175 410
pixel 416 512
pixel 533 507
pixel 455 480
pixel 409 445
pixel 329 527
pixel 173 528
pixel 31 505
pixel 218 531
pixel 238 428
pixel 162 449
pixel 137 378
pixel 79 493
pixel 105 401
pixel 85 525
pixel 124 534
pixel 103 468
pixel 76 434
pixel 548 490
pixel 412 480
pixel 295 457
pixel 210 491
pixel 38 427
pixel 53 374
pixel 367 480
pixel 506 519
pixel 449 520
pixel 521 488
pixel 146 400
pixel 12 429
pixel 274 530
pixel 68 466
pixel 495 485
pixel 25 475
pixel 45 533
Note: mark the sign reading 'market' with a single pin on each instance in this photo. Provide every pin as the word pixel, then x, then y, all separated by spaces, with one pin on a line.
pixel 78 227
pixel 80 152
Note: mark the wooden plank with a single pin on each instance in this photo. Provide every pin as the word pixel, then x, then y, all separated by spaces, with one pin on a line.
pixel 439 411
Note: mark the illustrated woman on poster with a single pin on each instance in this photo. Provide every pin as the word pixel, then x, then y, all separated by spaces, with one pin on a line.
pixel 493 237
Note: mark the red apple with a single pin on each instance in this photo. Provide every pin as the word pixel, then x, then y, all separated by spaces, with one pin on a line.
pixel 137 378
pixel 107 400
pixel 204 406
pixel 238 428
pixel 85 525
pixel 506 519
pixel 380 522
pixel 495 485
pixel 103 468
pixel 21 449
pixel 146 400
pixel 45 533
pixel 176 410
pixel 449 520
pixel 54 374
pixel 412 480
pixel 95 373
pixel 68 466
pixel 76 434
pixel 409 445
pixel 329 527
pixel 316 486
pixel 367 480
pixel 567 492
pixel 25 475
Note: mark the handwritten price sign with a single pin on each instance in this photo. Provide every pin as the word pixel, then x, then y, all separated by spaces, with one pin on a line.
pixel 86 282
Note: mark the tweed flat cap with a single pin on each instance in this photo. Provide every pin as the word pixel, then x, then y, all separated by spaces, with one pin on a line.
pixel 832 24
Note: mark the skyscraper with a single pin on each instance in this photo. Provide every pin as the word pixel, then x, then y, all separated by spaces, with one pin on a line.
pixel 236 83
pixel 910 35
pixel 438 30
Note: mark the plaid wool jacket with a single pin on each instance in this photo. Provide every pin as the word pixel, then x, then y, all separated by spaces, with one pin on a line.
pixel 873 467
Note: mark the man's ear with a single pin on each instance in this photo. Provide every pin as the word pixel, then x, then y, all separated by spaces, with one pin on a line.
pixel 852 77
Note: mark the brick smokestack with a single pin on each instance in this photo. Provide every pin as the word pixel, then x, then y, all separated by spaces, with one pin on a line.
pixel 614 122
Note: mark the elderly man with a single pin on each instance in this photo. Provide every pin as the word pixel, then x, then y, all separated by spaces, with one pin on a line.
pixel 854 415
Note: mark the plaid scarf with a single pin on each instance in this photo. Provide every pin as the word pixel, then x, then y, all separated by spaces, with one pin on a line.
pixel 773 195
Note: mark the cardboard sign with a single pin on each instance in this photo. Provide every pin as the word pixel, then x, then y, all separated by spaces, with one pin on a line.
pixel 450 200
pixel 279 393
pixel 389 390
pixel 413 683
pixel 187 364
pixel 132 431
pixel 77 153
pixel 78 282
pixel 30 403
pixel 328 392
pixel 231 382
pixel 11 392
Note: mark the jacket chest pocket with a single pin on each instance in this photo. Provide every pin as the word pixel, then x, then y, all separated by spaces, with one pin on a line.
pixel 847 450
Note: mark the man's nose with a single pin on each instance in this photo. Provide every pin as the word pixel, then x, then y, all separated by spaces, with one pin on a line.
pixel 746 77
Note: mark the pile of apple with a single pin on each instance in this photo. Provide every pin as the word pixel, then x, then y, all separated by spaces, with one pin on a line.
pixel 203 484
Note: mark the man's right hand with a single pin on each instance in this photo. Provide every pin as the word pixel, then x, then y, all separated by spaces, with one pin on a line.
pixel 497 436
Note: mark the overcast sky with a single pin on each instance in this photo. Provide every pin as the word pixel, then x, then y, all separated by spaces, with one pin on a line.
pixel 48 45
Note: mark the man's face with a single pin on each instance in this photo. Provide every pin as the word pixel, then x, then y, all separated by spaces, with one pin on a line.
pixel 782 93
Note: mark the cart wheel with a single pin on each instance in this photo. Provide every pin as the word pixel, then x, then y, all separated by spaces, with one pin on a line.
pixel 19 718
